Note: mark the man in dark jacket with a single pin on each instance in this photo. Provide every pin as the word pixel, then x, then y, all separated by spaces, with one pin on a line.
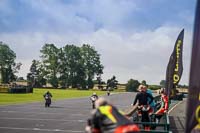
pixel 144 99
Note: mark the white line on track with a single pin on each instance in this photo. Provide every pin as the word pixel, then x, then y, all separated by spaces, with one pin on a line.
pixel 174 106
pixel 7 118
pixel 41 113
pixel 38 129
pixel 60 107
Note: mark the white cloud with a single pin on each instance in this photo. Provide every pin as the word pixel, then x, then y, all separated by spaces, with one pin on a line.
pixel 125 53
pixel 142 55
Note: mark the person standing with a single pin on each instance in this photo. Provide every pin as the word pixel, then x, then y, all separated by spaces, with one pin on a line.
pixel 152 104
pixel 164 105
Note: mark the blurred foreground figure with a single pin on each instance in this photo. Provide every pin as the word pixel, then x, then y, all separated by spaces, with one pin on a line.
pixel 107 119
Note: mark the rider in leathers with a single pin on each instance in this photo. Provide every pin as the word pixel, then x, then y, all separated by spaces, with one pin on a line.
pixel 93 98
pixel 107 119
pixel 164 103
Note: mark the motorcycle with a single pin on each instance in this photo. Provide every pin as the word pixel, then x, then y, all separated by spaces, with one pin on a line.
pixel 47 101
pixel 108 93
pixel 93 99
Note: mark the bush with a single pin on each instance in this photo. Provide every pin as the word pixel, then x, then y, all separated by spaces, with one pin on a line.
pixel 154 87
pixel 132 85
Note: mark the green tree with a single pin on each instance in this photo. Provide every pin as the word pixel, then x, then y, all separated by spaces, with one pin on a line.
pixel 162 83
pixel 91 63
pixel 144 82
pixel 99 81
pixel 50 63
pixel 72 70
pixel 7 64
pixel 70 65
pixel 36 77
pixel 132 85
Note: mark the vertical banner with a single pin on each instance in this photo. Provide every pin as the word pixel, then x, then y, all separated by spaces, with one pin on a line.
pixel 193 101
pixel 175 66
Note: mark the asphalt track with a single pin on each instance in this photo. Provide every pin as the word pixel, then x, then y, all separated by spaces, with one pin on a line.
pixel 69 116
pixel 64 116
pixel 177 117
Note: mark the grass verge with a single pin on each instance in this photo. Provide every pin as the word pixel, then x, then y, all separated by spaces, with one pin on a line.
pixel 37 95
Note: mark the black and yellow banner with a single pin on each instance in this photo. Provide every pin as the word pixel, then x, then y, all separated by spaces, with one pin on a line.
pixel 175 66
pixel 193 101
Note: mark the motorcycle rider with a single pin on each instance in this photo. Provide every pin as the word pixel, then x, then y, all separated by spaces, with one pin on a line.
pixel 93 98
pixel 48 96
pixel 108 93
pixel 107 119
pixel 142 99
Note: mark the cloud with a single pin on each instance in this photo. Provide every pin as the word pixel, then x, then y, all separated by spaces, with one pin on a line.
pixel 141 55
pixel 133 38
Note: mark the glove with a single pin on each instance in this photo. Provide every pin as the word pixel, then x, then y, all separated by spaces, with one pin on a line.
pixel 88 129
pixel 165 111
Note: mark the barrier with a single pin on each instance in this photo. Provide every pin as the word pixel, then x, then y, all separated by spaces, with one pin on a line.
pixel 21 89
pixel 162 127
pixel 4 88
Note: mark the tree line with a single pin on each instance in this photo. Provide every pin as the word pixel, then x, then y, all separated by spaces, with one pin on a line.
pixel 68 66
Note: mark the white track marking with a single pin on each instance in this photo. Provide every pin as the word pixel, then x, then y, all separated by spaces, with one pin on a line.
pixel 38 129
pixel 7 118
pixel 174 106
pixel 41 113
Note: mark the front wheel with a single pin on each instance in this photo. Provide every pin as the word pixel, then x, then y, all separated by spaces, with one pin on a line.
pixel 135 118
pixel 48 102
pixel 93 105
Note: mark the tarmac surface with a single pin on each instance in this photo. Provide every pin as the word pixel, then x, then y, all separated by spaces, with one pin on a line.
pixel 177 117
pixel 68 116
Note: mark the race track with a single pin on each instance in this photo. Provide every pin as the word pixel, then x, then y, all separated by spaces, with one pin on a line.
pixel 68 116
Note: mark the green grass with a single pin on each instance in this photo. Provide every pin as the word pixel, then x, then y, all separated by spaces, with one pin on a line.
pixel 37 95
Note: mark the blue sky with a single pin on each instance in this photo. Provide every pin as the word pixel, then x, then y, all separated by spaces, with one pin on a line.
pixel 134 37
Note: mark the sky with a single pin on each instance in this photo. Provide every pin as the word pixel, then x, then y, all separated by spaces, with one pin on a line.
pixel 135 38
